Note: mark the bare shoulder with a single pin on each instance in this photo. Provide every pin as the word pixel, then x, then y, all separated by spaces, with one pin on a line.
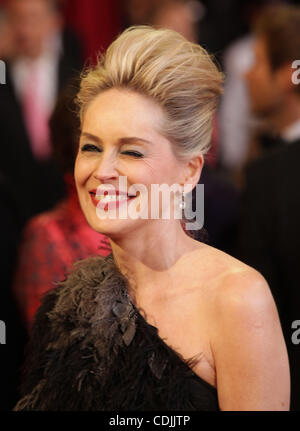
pixel 245 335
pixel 230 282
pixel 244 297
pixel 238 285
pixel 240 299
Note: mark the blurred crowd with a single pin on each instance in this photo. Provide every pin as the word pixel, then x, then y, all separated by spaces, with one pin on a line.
pixel 250 177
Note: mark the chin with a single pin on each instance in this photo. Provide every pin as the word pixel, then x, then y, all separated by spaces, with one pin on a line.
pixel 113 228
pixel 263 111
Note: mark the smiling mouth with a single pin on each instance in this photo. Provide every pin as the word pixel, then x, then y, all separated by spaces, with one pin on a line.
pixel 110 201
pixel 113 198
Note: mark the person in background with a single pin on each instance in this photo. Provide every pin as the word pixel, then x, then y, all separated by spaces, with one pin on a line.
pixel 138 12
pixel 238 127
pixel 43 59
pixel 178 15
pixel 235 124
pixel 6 43
pixel 269 234
pixel 52 241
pixel 11 356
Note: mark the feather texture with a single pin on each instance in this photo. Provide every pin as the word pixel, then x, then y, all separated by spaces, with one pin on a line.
pixel 91 349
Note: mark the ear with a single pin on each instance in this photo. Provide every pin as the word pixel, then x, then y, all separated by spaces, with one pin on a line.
pixel 192 171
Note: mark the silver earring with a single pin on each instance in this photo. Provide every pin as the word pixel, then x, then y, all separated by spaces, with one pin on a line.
pixel 182 203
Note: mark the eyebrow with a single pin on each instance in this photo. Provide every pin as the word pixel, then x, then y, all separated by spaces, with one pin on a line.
pixel 125 140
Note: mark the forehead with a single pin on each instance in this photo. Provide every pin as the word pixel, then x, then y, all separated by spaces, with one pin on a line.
pixel 28 7
pixel 119 110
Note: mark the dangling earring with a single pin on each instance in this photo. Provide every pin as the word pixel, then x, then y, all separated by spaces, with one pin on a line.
pixel 182 203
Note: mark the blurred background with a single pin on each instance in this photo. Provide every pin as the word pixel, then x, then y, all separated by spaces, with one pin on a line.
pixel 248 214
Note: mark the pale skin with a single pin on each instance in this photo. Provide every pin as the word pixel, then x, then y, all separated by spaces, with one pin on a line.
pixel 203 301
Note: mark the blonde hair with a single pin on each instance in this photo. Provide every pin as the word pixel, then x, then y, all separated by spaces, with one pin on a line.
pixel 161 64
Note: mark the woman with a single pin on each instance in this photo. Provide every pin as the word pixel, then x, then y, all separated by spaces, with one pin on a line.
pixel 165 322
pixel 53 240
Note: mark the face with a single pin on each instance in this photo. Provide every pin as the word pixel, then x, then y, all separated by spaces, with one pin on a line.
pixel 177 17
pixel 263 84
pixel 120 137
pixel 32 22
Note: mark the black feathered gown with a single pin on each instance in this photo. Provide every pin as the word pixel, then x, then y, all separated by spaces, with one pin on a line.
pixel 92 350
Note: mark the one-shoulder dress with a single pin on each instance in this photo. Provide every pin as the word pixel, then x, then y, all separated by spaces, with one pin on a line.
pixel 92 350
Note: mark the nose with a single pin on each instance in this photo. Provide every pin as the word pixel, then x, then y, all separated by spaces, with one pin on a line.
pixel 106 169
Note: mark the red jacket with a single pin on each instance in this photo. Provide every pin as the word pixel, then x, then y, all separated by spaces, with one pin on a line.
pixel 51 242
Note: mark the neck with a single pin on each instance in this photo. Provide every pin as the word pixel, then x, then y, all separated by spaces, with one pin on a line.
pixel 146 257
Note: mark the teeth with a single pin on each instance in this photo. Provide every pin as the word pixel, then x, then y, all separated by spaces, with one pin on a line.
pixel 111 198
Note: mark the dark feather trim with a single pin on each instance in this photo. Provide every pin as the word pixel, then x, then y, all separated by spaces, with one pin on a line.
pixel 92 350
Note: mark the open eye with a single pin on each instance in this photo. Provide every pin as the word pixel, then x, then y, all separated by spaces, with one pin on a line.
pixel 90 147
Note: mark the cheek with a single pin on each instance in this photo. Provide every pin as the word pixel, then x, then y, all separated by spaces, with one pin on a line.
pixel 162 169
pixel 81 171
pixel 76 170
pixel 255 78
pixel 141 173
pixel 264 79
pixel 260 85
pixel 267 91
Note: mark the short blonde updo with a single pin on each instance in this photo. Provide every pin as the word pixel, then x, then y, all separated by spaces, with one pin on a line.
pixel 161 64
